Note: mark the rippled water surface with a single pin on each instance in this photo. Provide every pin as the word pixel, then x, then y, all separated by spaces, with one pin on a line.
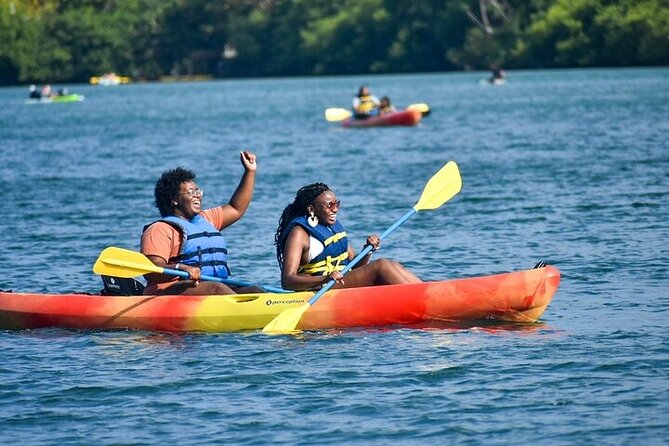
pixel 570 167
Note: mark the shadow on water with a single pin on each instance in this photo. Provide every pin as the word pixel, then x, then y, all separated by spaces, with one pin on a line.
pixel 488 326
pixel 176 339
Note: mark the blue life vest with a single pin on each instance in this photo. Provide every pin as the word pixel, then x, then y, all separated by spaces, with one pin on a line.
pixel 202 245
pixel 335 247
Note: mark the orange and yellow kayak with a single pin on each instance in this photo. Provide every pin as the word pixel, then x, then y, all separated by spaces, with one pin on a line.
pixel 520 296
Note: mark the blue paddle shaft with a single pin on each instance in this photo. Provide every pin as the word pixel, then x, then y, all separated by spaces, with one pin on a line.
pixel 362 254
pixel 233 282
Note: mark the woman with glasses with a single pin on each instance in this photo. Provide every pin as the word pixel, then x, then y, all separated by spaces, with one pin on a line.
pixel 188 237
pixel 312 247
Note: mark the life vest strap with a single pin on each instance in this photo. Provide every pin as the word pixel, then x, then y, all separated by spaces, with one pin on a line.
pixel 192 255
pixel 335 238
pixel 325 267
pixel 204 234
pixel 214 263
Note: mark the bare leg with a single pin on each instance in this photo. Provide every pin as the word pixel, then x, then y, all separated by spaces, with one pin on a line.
pixel 378 272
pixel 408 276
pixel 202 288
pixel 252 289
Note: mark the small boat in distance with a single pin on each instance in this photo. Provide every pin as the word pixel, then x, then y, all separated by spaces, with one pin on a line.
pixel 46 95
pixel 407 117
pixel 109 79
pixel 64 98
pixel 410 116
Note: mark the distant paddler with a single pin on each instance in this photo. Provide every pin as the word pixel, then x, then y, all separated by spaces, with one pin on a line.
pixel 385 107
pixel 34 93
pixel 365 104
pixel 498 76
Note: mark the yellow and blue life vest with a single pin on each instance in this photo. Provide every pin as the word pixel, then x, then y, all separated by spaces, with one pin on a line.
pixel 202 245
pixel 366 105
pixel 335 247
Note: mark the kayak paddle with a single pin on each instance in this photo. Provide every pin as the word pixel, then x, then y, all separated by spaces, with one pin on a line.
pixel 339 114
pixel 443 186
pixel 119 262
pixel 423 108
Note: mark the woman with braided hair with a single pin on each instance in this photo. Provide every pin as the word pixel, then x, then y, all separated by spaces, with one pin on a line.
pixel 312 247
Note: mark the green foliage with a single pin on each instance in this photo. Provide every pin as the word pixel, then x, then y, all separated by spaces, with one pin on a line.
pixel 635 30
pixel 19 33
pixel 351 39
pixel 421 33
pixel 598 33
pixel 71 40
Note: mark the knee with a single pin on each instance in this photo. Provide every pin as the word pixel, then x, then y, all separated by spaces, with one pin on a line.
pixel 384 264
pixel 214 288
pixel 249 290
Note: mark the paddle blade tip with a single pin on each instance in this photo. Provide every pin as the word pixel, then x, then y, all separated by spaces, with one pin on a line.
pixel 443 186
pixel 98 267
pixel 286 321
pixel 336 114
pixel 422 107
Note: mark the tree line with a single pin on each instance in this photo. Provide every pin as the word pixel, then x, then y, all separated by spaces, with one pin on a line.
pixel 71 40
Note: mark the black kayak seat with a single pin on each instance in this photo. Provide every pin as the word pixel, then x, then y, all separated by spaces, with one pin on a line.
pixel 121 286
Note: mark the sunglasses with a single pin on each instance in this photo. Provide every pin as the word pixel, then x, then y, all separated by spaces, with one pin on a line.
pixel 330 204
pixel 190 193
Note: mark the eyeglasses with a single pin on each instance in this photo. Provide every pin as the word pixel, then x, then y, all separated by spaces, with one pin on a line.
pixel 331 204
pixel 190 193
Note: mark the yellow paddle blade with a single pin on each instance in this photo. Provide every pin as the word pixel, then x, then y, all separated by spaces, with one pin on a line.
pixel 443 186
pixel 286 321
pixel 119 262
pixel 336 114
pixel 423 108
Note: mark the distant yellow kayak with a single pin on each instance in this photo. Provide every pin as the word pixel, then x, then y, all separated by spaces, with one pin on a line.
pixel 109 79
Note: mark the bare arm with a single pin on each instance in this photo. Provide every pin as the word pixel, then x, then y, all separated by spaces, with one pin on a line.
pixel 241 198
pixel 297 247
pixel 194 273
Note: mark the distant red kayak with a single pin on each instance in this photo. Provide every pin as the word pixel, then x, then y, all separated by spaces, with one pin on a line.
pixel 400 118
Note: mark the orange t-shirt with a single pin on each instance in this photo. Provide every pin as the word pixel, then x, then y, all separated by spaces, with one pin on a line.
pixel 164 240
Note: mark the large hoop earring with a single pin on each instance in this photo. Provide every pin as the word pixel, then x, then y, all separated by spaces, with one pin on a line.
pixel 312 219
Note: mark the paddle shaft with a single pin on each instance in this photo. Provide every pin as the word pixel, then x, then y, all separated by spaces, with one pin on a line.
pixel 362 254
pixel 228 281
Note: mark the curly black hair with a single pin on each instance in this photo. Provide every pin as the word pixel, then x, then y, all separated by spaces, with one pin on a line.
pixel 167 188
pixel 304 197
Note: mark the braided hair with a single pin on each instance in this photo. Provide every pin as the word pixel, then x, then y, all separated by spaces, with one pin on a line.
pixel 167 188
pixel 304 197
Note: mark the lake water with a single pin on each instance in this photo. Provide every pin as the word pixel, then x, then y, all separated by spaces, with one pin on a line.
pixel 569 166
